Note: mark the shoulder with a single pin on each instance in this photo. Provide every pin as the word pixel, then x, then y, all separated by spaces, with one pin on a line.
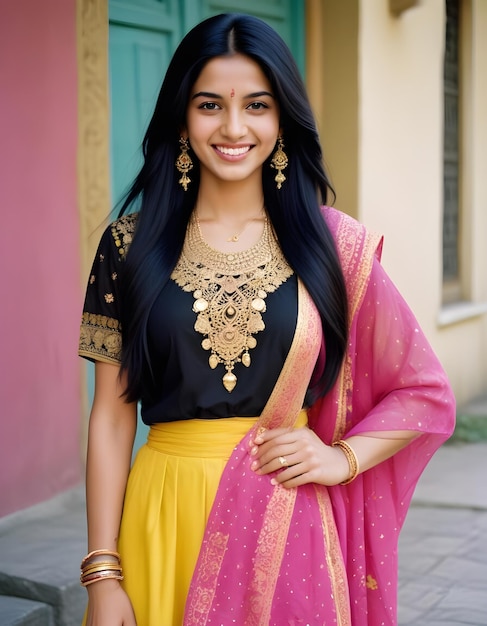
pixel 351 236
pixel 357 249
pixel 122 231
pixel 343 225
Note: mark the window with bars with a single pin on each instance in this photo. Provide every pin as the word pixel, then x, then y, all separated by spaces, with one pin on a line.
pixel 451 151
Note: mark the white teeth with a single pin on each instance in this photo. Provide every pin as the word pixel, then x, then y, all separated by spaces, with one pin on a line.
pixel 233 151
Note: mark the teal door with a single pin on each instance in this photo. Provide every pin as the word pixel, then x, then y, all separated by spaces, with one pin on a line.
pixel 142 37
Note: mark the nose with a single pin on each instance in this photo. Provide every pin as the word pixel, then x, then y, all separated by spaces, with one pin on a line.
pixel 234 126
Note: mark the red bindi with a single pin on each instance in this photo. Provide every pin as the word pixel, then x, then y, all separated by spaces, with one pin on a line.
pixel 232 93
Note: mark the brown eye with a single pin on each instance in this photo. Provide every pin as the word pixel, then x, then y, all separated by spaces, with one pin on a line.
pixel 257 106
pixel 209 106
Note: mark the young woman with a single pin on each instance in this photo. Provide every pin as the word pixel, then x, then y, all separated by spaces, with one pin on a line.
pixel 292 399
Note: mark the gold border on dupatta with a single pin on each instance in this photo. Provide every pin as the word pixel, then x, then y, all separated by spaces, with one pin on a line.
pixel 356 248
pixel 270 550
pixel 302 358
pixel 334 558
pixel 281 410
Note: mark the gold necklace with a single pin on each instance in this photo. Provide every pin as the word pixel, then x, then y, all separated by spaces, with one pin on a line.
pixel 229 291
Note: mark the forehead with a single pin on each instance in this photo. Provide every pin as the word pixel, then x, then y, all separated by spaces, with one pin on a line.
pixel 232 72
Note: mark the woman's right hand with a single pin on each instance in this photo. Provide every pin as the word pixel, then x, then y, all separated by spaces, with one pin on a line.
pixel 109 605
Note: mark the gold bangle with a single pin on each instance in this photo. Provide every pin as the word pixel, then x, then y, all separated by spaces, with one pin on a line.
pixel 103 571
pixel 101 576
pixel 92 555
pixel 96 563
pixel 351 458
pixel 99 567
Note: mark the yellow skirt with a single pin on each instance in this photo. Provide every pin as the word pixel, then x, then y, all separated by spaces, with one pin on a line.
pixel 170 492
pixel 169 496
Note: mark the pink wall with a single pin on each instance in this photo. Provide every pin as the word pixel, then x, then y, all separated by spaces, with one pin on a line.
pixel 40 294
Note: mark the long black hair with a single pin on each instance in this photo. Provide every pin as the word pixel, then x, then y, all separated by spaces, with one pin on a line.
pixel 293 210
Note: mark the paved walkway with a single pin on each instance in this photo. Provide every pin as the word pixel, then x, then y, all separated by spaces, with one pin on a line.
pixel 443 546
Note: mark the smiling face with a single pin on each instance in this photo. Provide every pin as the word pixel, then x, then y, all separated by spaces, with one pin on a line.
pixel 232 120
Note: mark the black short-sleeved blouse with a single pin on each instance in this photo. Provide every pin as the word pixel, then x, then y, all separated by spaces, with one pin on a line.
pixel 183 385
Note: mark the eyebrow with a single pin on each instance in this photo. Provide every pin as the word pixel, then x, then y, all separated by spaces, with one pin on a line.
pixel 215 96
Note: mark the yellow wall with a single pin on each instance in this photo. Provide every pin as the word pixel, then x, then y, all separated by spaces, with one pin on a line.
pixel 401 173
pixel 401 143
pixel 332 82
pixel 380 108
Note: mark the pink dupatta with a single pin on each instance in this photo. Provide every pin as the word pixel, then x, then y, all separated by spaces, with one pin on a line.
pixel 317 555
pixel 390 380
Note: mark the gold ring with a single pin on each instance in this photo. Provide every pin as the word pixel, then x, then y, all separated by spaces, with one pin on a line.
pixel 283 461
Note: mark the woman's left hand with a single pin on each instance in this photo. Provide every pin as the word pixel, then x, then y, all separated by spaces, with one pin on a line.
pixel 298 457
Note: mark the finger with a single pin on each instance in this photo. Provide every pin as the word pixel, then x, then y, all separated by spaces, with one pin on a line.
pixel 264 435
pixel 273 458
pixel 293 476
pixel 296 481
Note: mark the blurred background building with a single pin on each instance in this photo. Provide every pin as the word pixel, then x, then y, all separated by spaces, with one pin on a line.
pixel 399 88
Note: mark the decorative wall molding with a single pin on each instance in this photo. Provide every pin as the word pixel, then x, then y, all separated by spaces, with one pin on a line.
pixel 93 126
pixel 93 147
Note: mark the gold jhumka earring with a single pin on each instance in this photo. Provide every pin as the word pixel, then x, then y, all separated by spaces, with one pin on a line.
pixel 279 162
pixel 184 163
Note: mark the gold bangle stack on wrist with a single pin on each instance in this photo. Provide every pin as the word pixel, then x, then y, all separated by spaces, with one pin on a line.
pixel 93 570
pixel 351 458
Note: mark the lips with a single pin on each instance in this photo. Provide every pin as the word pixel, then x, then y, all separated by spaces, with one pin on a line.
pixel 233 151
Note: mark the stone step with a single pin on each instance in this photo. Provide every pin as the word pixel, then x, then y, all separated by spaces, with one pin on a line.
pixel 41 549
pixel 22 612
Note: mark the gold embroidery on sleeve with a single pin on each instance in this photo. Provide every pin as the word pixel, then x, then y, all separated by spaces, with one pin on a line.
pixel 100 335
pixel 100 338
pixel 122 232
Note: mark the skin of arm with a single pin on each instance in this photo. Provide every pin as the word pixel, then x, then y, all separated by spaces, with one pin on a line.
pixel 110 440
pixel 312 461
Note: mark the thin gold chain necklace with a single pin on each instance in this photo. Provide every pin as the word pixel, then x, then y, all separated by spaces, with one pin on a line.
pixel 236 236
pixel 229 291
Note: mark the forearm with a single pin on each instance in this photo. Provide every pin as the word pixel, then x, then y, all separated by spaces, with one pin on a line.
pixel 374 448
pixel 108 465
pixel 110 440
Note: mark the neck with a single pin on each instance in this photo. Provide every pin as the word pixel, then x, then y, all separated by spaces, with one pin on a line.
pixel 231 215
pixel 229 201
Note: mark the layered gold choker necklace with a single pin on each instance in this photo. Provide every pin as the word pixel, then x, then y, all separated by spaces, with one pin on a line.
pixel 229 291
